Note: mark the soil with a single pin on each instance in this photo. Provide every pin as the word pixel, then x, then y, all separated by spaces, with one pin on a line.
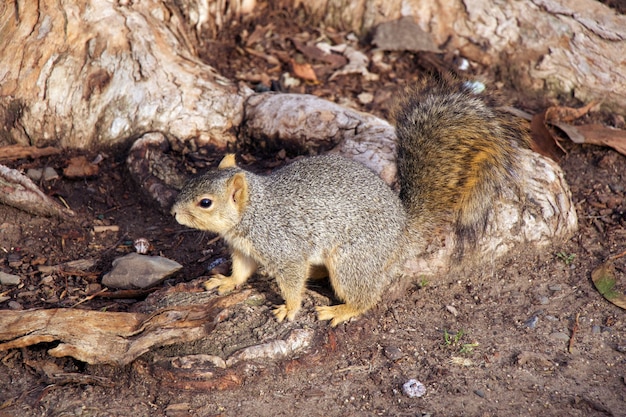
pixel 525 335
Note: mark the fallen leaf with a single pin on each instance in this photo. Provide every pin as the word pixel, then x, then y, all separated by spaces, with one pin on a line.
pixel 558 114
pixel 304 71
pixel 315 53
pixel 544 141
pixel 605 281
pixel 79 167
pixel 597 135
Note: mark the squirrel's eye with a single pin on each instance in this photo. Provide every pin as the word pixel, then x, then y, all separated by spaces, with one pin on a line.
pixel 205 203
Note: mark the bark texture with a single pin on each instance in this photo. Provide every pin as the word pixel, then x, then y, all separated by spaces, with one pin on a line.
pixel 93 73
pixel 572 47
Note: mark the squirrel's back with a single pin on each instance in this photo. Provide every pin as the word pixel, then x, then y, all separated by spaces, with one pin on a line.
pixel 323 201
pixel 456 151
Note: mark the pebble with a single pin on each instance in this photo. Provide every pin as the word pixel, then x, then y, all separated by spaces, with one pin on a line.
pixel 543 300
pixel 560 336
pixel 480 393
pixel 4 298
pixel 452 310
pixel 532 322
pixel 393 353
pixel 139 271
pixel 413 388
pixel 365 98
pixel 9 279
pixel 50 174
pixel 554 287
pixel 14 305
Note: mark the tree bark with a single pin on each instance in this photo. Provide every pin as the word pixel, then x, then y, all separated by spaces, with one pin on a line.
pixel 573 47
pixel 89 74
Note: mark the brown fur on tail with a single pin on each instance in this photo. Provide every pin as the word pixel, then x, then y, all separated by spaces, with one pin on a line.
pixel 455 153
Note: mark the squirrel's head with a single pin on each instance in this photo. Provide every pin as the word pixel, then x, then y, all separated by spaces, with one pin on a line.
pixel 214 201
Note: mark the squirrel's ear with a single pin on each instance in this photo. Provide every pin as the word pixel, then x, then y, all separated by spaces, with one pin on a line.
pixel 228 161
pixel 238 190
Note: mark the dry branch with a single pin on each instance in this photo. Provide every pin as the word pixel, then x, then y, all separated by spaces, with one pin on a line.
pixel 110 337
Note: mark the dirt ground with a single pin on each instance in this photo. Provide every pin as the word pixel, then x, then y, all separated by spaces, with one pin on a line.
pixel 526 335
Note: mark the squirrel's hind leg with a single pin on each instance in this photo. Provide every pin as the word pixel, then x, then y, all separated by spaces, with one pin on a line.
pixel 243 268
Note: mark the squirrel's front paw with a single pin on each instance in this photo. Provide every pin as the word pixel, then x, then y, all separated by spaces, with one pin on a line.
pixel 281 312
pixel 223 284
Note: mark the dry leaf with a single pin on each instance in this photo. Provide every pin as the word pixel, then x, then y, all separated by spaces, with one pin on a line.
pixel 315 53
pixel 600 135
pixel 605 281
pixel 79 167
pixel 558 114
pixel 544 141
pixel 304 71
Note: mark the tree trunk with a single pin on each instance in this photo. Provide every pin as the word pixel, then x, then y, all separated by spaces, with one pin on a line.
pixel 88 74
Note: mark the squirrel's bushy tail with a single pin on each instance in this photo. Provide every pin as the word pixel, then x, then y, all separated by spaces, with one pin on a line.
pixel 456 151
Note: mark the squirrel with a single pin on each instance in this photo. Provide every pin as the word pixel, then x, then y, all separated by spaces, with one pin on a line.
pixel 455 152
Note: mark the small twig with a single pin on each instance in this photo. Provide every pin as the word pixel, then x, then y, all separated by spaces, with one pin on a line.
pixel 90 297
pixel 64 202
pixel 619 255
pixel 570 348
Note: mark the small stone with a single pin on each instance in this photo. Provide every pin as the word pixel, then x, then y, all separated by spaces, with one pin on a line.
pixel 4 298
pixel 554 287
pixel 365 98
pixel 560 336
pixel 47 280
pixel 595 329
pixel 452 310
pixel 393 353
pixel 14 305
pixel 34 174
pixel 543 300
pixel 480 393
pixel 93 288
pixel 178 410
pixel 9 279
pixel 413 388
pixel 139 271
pixel 50 174
pixel 621 348
pixel 532 322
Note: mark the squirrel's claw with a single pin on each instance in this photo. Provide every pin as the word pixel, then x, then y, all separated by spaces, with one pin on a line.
pixel 223 284
pixel 337 314
pixel 281 312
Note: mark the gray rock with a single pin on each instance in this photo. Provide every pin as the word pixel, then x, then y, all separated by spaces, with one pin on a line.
pixel 532 322
pixel 34 174
pixel 139 271
pixel 9 279
pixel 50 174
pixel 393 353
